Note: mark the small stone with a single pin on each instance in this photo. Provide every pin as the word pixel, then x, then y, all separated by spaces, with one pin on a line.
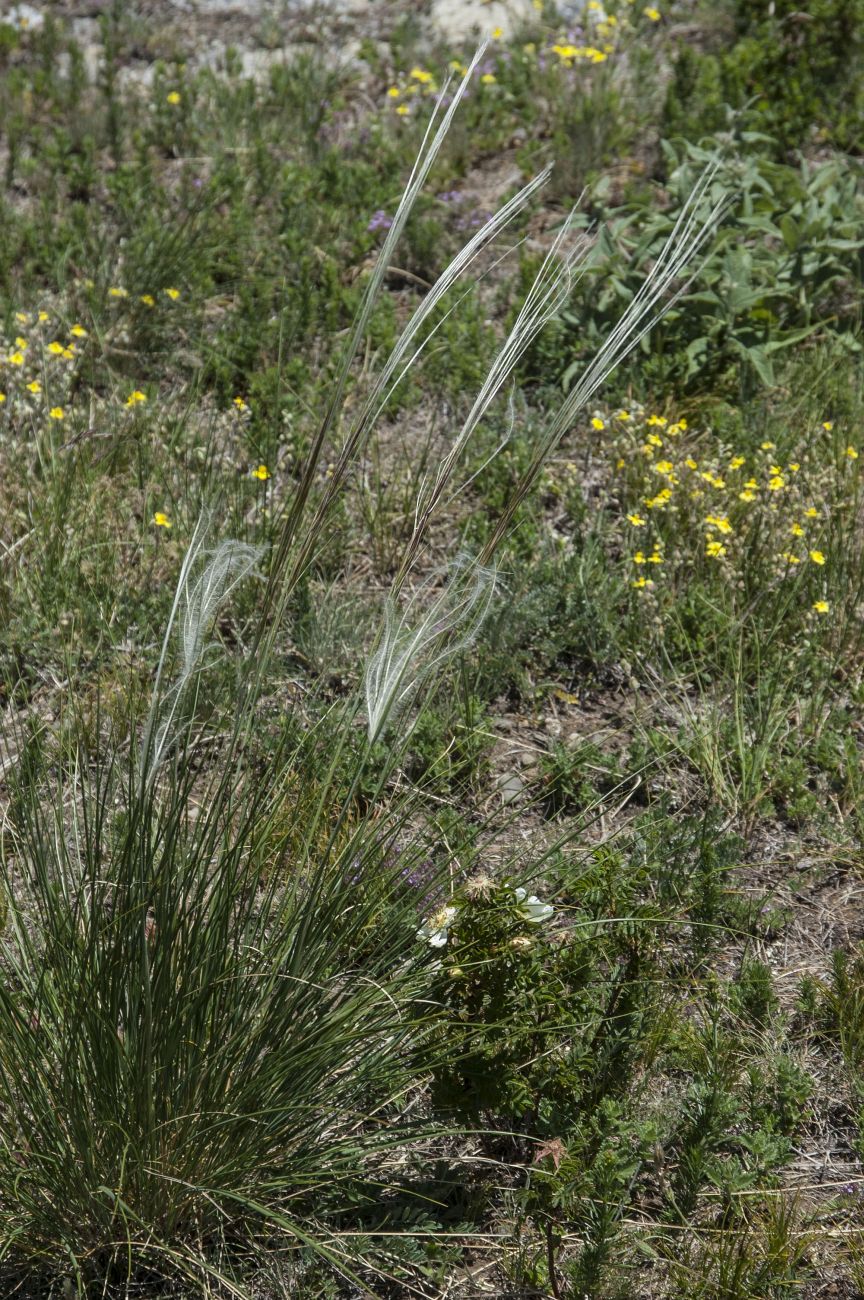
pixel 511 786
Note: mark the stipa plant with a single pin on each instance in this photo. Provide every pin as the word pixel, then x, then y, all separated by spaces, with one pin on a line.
pixel 198 598
pixel 406 655
pixel 205 1035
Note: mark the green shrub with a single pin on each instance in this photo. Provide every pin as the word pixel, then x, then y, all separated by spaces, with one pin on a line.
pixel 786 263
pixel 791 73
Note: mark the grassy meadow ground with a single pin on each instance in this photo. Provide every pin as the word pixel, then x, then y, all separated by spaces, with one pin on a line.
pixel 431 833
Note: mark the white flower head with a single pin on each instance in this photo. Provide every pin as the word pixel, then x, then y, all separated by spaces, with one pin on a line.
pixel 436 931
pixel 530 907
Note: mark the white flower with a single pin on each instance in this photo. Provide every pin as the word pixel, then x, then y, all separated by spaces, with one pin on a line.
pixel 436 931
pixel 530 907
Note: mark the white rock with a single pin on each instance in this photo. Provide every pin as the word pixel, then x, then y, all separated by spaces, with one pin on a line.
pixel 458 20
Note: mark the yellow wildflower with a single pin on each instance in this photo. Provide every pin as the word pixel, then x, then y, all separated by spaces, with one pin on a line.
pixel 78 332
pixel 638 558
pixel 57 413
pixel 851 453
pixel 652 13
pixel 261 472
pixel 827 425
pixel 173 294
pixel 768 446
pixel 419 74
pixel 403 110
pixel 636 520
pixel 623 415
pixel 488 78
pixel 736 462
pixel 394 92
pixel 148 300
pixel 746 496
pixel 16 358
pixel 134 398
pixel 161 520
pixel 821 606
pixel 715 550
pixel 34 386
pixel 117 293
pixel 173 97
pixel 817 557
pixel 776 483
pixel 240 404
pixel 597 423
pixel 796 530
pixel 811 512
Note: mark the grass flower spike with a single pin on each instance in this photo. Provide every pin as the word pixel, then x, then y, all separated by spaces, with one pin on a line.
pixel 420 639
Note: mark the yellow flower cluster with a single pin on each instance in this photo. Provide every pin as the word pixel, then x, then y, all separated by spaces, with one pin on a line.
pixel 31 351
pixel 419 83
pixel 31 373
pixel 692 501
pixel 147 299
pixel 604 29
pixel 570 54
pixel 601 32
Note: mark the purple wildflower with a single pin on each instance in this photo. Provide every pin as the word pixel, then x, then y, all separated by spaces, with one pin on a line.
pixel 380 221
